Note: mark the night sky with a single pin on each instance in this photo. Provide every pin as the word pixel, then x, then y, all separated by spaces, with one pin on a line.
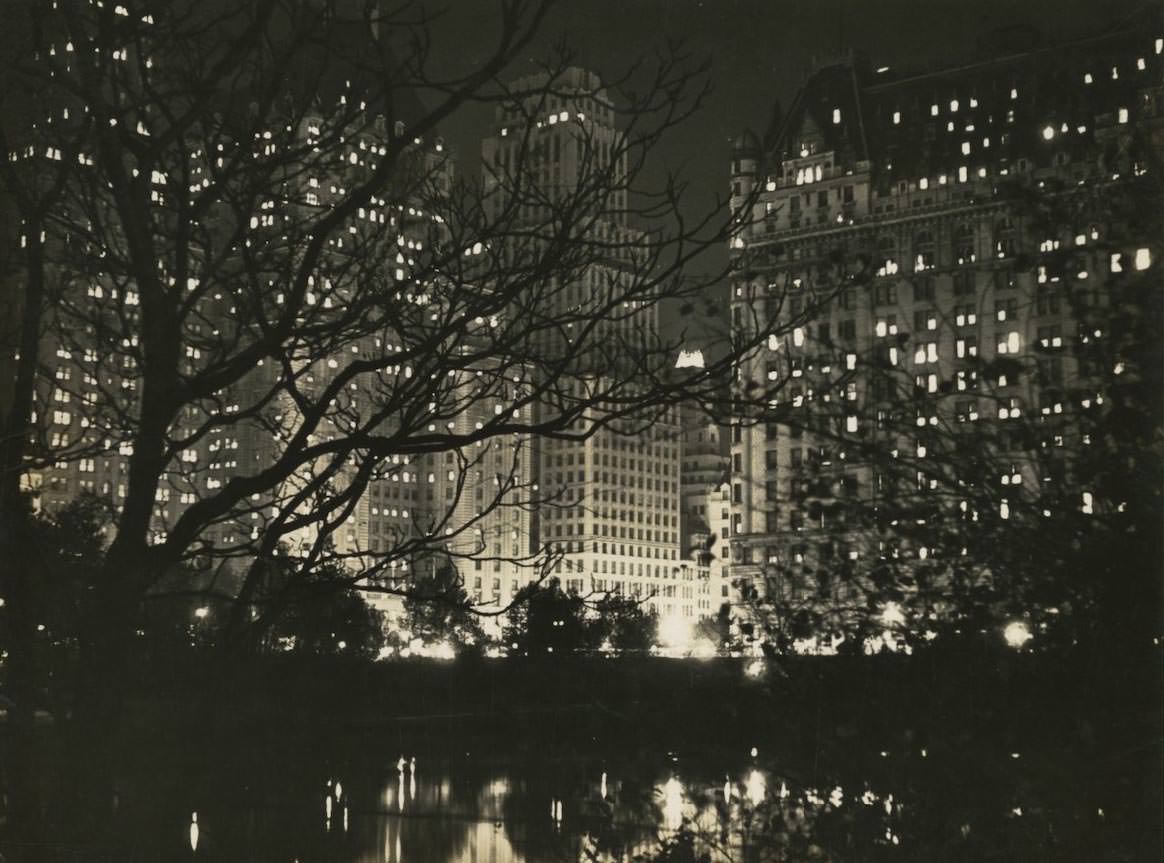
pixel 759 52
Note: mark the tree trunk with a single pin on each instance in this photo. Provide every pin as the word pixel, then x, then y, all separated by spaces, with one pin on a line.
pixel 17 577
pixel 23 677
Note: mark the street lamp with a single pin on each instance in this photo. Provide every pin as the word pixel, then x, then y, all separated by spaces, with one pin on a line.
pixel 1017 634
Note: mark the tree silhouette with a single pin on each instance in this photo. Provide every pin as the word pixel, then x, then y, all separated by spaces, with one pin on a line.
pixel 246 287
pixel 625 624
pixel 544 620
pixel 439 609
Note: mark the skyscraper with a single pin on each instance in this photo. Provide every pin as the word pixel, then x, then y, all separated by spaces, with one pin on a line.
pixel 611 500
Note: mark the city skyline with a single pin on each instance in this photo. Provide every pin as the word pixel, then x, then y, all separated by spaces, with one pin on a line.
pixel 527 158
pixel 533 430
pixel 760 53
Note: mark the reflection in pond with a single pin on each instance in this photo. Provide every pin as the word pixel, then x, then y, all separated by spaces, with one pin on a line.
pixel 756 787
pixel 541 804
pixel 568 810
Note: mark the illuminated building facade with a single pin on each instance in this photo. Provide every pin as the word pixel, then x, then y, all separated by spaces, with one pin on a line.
pixel 612 500
pixel 87 400
pixel 704 466
pixel 922 185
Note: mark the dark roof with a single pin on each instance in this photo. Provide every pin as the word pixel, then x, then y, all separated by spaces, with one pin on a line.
pixel 1029 105
pixel 812 117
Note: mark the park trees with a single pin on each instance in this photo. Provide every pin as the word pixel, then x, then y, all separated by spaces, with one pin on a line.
pixel 546 619
pixel 625 625
pixel 246 288
pixel 440 610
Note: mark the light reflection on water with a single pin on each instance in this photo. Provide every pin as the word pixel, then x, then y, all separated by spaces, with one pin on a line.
pixel 464 815
pixel 546 806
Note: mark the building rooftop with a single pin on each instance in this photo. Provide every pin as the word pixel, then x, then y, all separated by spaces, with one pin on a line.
pixel 1035 105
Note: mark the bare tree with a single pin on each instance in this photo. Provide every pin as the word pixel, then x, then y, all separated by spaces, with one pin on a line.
pixel 252 291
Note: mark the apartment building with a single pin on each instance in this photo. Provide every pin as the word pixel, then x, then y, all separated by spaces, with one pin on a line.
pixel 894 250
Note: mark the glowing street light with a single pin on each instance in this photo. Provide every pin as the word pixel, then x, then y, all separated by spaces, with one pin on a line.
pixel 1017 634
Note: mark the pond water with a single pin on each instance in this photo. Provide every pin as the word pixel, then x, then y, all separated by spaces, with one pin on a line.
pixel 659 761
pixel 385 798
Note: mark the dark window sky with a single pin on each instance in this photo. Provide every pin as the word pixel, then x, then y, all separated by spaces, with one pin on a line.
pixel 760 51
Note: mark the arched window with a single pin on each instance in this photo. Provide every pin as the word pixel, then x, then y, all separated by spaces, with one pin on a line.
pixel 924 257
pixel 1005 237
pixel 964 245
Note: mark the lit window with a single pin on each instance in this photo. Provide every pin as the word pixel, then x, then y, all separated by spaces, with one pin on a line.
pixel 836 115
pixel 1143 259
pixel 1010 344
pixel 1123 115
pixel 896 118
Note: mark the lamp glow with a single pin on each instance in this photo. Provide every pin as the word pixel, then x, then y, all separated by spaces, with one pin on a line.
pixel 1017 634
